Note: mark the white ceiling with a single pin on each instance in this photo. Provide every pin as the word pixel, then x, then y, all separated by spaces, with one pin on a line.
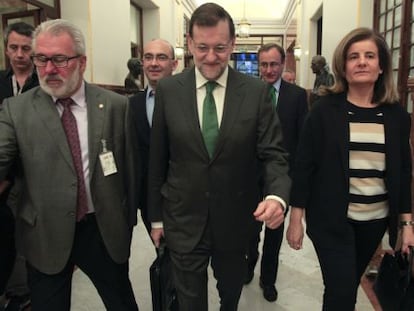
pixel 254 9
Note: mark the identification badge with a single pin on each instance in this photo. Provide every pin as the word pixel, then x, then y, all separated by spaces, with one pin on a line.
pixel 107 160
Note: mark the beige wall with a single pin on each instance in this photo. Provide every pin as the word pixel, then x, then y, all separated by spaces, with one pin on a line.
pixel 108 31
pixel 107 37
pixel 339 17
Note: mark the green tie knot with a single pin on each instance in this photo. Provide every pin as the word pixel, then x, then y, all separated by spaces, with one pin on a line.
pixel 210 86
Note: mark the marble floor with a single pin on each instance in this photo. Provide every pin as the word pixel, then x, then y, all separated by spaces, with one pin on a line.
pixel 299 282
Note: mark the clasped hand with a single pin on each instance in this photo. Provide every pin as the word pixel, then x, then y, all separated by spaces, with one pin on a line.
pixel 271 212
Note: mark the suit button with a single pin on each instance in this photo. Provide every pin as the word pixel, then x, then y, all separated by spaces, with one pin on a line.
pixel 72 214
pixel 207 194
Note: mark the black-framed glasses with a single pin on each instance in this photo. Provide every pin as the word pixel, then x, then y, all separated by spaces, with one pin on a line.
pixel 59 61
pixel 218 49
pixel 158 57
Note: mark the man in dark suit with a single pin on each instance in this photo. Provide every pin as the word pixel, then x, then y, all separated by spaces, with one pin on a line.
pixel 158 62
pixel 290 103
pixel 18 78
pixel 78 198
pixel 212 129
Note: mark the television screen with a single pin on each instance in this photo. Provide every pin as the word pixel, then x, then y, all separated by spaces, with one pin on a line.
pixel 247 63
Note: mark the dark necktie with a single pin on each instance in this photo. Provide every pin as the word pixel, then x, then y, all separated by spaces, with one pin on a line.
pixel 71 131
pixel 150 106
pixel 210 123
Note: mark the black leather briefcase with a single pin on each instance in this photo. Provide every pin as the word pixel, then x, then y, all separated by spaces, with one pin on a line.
pixel 394 286
pixel 164 296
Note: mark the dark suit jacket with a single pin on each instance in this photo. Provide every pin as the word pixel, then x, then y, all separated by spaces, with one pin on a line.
pixel 143 132
pixel 292 108
pixel 187 189
pixel 31 130
pixel 321 178
pixel 6 86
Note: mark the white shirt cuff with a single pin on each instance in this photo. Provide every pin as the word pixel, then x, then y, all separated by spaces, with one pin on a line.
pixel 279 199
pixel 157 225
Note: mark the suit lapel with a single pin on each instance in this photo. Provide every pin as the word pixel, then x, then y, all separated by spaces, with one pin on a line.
pixel 232 103
pixel 46 110
pixel 233 100
pixel 392 138
pixel 283 93
pixel 97 107
pixel 143 117
pixel 341 121
pixel 188 103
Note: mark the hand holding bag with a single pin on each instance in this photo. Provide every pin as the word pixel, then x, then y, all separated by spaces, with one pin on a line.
pixel 394 284
pixel 164 296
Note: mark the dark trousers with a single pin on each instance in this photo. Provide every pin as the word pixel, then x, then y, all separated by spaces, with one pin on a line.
pixel 342 265
pixel 190 276
pixel 7 245
pixel 51 292
pixel 145 219
pixel 270 254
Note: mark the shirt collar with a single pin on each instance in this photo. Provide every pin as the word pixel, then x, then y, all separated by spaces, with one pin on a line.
pixel 276 85
pixel 201 80
pixel 79 97
pixel 149 89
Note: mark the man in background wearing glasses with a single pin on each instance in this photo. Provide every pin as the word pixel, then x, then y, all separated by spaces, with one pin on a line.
pixel 18 78
pixel 77 149
pixel 158 62
pixel 290 103
pixel 212 129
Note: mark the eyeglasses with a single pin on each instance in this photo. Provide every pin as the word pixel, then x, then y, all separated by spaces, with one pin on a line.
pixel 218 49
pixel 58 61
pixel 272 65
pixel 158 57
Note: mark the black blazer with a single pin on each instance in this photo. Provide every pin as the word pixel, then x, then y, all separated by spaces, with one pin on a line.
pixel 6 84
pixel 143 133
pixel 187 189
pixel 292 108
pixel 321 178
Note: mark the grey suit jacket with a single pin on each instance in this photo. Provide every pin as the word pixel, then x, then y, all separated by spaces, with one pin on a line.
pixel 32 133
pixel 187 189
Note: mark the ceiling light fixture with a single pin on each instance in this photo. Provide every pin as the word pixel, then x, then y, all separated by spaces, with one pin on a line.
pixel 244 25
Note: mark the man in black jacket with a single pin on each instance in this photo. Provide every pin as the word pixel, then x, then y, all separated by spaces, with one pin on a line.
pixel 158 62
pixel 18 78
pixel 290 104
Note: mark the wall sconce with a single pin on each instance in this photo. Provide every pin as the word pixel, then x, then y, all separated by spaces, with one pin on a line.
pixel 297 51
pixel 179 52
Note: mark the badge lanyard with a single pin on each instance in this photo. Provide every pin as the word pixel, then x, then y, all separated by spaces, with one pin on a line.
pixel 16 90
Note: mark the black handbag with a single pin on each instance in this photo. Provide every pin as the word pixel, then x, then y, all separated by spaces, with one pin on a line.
pixel 394 286
pixel 164 296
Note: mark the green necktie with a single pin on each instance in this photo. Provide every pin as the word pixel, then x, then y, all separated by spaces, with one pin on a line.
pixel 210 124
pixel 273 95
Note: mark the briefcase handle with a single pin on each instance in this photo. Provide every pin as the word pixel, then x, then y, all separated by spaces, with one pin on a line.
pixel 162 248
pixel 410 261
